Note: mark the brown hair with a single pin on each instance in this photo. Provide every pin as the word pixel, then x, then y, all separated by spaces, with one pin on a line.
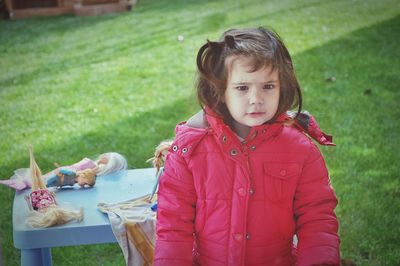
pixel 264 47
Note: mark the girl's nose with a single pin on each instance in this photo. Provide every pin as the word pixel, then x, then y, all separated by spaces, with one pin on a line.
pixel 255 97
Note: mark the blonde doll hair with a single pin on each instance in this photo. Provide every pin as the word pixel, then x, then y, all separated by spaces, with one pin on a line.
pixel 160 154
pixel 114 162
pixel 53 216
pixel 36 174
pixel 89 175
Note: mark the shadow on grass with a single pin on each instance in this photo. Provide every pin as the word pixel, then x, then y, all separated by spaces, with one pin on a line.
pixel 360 108
pixel 364 174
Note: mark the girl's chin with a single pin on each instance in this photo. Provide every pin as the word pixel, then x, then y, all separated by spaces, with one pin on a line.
pixel 257 122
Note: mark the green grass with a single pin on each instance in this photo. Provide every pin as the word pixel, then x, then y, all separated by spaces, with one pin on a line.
pixel 81 86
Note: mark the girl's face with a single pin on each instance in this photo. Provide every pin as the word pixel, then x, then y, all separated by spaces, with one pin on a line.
pixel 252 98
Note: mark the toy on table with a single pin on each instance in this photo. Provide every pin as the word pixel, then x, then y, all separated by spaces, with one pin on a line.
pixel 83 172
pixel 44 209
pixel 66 177
pixel 107 163
pixel 160 155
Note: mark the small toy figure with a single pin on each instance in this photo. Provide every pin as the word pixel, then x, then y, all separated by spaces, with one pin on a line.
pixel 160 155
pixel 44 210
pixel 65 177
pixel 107 163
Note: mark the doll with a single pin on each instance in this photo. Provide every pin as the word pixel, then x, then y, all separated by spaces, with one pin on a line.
pixel 44 209
pixel 160 155
pixel 66 177
pixel 83 172
pixel 107 163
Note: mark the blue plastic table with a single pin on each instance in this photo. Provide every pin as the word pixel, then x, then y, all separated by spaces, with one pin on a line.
pixel 36 243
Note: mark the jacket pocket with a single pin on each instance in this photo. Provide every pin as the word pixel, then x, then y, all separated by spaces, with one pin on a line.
pixel 280 181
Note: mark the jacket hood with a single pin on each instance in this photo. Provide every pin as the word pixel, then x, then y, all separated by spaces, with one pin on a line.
pixel 305 122
pixel 190 133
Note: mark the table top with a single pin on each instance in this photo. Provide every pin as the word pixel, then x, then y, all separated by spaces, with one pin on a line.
pixel 95 227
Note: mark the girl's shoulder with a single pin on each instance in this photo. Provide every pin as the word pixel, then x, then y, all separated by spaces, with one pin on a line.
pixel 306 125
pixel 294 138
pixel 302 138
pixel 189 134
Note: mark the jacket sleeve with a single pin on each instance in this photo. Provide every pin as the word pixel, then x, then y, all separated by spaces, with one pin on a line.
pixel 175 214
pixel 316 222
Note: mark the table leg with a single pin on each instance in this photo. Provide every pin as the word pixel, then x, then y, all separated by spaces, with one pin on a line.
pixel 46 256
pixel 36 257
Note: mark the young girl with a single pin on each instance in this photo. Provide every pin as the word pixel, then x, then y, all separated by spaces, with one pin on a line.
pixel 241 179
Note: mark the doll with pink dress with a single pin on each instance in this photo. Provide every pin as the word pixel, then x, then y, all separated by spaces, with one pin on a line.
pixel 44 210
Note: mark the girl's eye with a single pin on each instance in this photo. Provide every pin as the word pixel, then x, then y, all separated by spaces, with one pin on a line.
pixel 242 88
pixel 269 87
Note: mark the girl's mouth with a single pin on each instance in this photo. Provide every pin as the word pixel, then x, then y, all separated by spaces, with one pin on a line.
pixel 256 114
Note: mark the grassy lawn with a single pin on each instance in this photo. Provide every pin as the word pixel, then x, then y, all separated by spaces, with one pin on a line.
pixel 81 86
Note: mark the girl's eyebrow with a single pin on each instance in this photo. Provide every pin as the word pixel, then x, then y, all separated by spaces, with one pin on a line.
pixel 247 83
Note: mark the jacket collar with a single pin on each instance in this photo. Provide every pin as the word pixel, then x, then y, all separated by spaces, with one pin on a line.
pixel 256 134
pixel 304 122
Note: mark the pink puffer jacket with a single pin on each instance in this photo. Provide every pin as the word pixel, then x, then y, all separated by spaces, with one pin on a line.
pixel 223 202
